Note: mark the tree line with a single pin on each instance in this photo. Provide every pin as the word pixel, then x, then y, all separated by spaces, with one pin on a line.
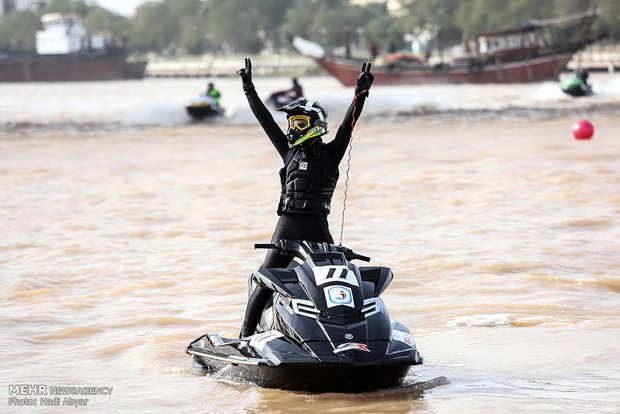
pixel 194 27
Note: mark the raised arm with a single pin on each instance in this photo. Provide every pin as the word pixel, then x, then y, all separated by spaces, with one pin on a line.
pixel 260 111
pixel 343 136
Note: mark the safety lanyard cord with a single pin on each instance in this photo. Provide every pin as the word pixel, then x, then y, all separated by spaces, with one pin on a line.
pixel 346 182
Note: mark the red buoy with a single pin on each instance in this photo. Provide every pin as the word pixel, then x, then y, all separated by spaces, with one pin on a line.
pixel 583 129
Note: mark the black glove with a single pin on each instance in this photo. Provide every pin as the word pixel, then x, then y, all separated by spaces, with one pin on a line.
pixel 364 80
pixel 246 76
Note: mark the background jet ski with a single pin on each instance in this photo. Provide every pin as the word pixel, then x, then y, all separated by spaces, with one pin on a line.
pixel 282 98
pixel 203 106
pixel 327 330
pixel 578 86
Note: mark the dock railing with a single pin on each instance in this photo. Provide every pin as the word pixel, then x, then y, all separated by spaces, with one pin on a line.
pixel 211 66
pixel 597 58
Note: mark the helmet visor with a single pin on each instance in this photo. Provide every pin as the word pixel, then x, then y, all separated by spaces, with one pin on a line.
pixel 298 122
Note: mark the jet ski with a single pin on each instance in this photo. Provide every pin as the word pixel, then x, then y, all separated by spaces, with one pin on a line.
pixel 578 86
pixel 326 330
pixel 202 107
pixel 282 98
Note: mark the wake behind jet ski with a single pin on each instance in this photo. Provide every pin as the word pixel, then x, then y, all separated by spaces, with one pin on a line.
pixel 327 330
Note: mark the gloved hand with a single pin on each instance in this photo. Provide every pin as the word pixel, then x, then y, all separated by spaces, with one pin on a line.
pixel 364 80
pixel 246 75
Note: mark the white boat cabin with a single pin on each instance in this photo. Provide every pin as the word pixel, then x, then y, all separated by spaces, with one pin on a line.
pixel 64 33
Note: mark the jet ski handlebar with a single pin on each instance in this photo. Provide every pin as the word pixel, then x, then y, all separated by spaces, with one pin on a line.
pixel 265 246
pixel 351 255
pixel 300 249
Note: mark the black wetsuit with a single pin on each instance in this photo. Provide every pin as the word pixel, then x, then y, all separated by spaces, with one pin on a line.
pixel 308 181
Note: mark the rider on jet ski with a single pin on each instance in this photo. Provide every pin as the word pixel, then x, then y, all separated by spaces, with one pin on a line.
pixel 287 96
pixel 578 86
pixel 213 93
pixel 308 178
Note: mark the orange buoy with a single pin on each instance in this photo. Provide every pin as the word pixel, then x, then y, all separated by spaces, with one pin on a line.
pixel 583 129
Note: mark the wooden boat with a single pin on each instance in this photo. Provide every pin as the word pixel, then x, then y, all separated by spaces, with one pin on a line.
pixel 522 54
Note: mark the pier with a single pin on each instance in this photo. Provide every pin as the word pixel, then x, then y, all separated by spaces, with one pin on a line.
pixel 597 58
pixel 216 66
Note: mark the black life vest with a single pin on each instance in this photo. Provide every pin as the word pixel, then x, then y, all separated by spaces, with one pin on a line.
pixel 307 182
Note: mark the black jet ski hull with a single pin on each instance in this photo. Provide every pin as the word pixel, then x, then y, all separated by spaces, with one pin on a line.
pixel 300 371
pixel 201 112
pixel 314 378
pixel 578 91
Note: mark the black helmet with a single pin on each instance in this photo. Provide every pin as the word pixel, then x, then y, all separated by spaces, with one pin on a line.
pixel 582 74
pixel 306 119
